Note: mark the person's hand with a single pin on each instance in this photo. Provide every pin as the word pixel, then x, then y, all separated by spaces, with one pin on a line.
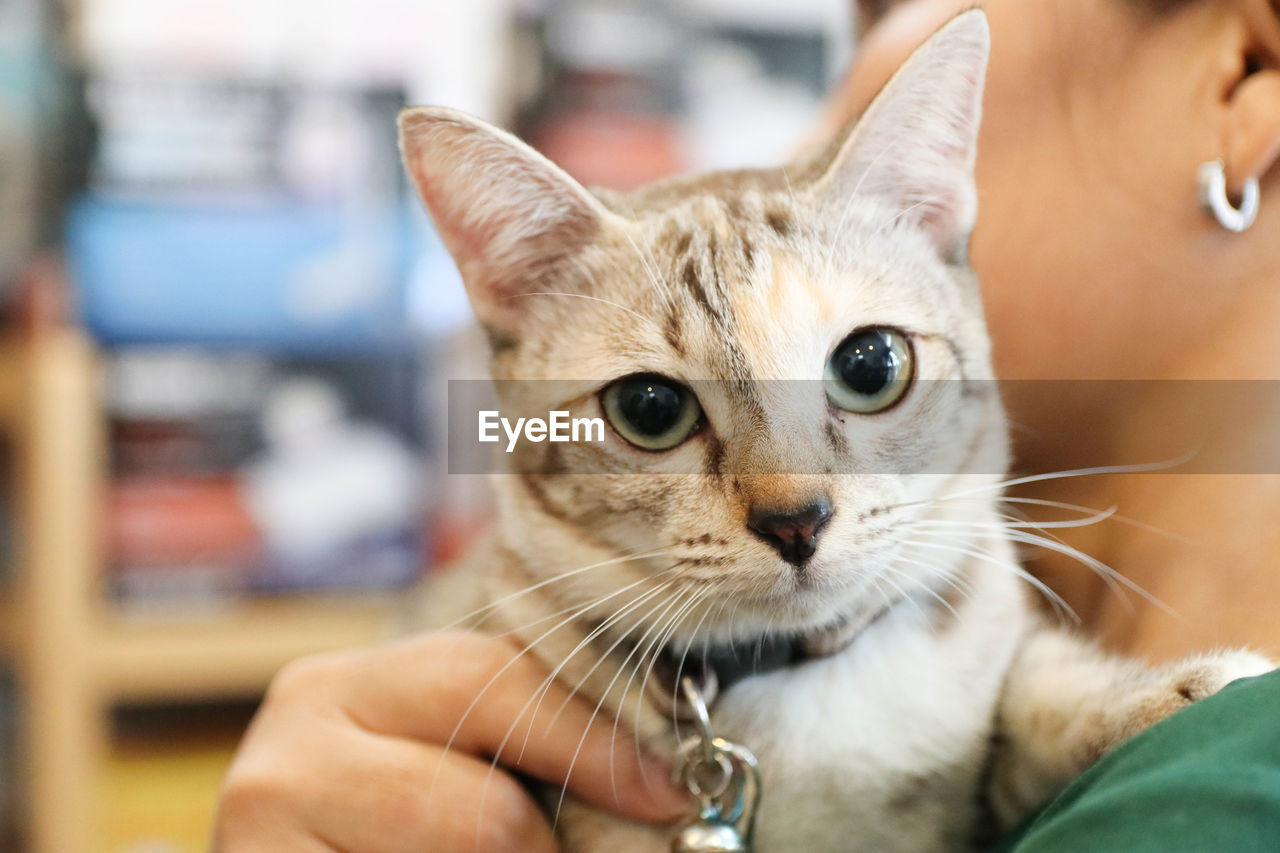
pixel 348 753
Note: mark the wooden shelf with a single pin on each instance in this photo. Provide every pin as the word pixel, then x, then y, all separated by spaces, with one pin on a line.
pixel 75 654
pixel 9 628
pixel 225 653
pixel 11 382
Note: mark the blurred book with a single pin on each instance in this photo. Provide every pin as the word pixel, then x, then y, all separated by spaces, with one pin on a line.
pixel 278 277
pixel 173 136
pixel 179 538
pixel 234 475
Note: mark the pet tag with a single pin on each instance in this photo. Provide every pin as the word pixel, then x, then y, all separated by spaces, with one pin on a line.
pixel 725 779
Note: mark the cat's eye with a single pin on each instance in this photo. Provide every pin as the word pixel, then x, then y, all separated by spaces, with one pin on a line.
pixel 869 371
pixel 651 411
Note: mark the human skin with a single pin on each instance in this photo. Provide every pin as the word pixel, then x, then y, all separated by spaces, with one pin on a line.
pixel 1096 262
pixel 381 750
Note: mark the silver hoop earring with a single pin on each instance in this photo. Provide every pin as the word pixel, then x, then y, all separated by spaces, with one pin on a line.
pixel 1213 195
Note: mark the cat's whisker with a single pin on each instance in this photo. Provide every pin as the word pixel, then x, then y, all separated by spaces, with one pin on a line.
pixel 1024 533
pixel 517 632
pixel 1021 522
pixel 1017 532
pixel 622 637
pixel 659 283
pixel 924 587
pixel 943 574
pixel 988 488
pixel 875 585
pixel 1097 566
pixel 1055 599
pixel 626 688
pixel 903 595
pixel 1100 516
pixel 1139 468
pixel 1123 519
pixel 564 789
pixel 541 691
pixel 673 624
pixel 527 648
pixel 493 605
pixel 644 648
pixel 622 699
pixel 598 631
pixel 684 655
pixel 603 301
pixel 659 641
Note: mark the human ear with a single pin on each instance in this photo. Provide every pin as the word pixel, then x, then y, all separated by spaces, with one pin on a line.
pixel 1250 130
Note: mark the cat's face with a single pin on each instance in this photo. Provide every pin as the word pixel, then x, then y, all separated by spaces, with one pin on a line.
pixel 792 363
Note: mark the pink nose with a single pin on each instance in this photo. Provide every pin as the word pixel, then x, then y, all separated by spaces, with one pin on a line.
pixel 793 532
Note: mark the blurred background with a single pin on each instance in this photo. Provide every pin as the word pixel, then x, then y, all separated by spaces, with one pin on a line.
pixel 226 330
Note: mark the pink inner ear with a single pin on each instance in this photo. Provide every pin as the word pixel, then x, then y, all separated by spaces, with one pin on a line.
pixel 462 241
pixel 915 145
pixel 507 216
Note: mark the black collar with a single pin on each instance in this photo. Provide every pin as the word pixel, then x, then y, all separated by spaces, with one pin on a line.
pixel 716 668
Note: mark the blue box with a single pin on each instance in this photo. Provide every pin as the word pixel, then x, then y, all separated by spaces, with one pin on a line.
pixel 277 275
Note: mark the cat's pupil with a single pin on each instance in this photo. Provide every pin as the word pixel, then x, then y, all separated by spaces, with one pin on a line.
pixel 867 363
pixel 651 406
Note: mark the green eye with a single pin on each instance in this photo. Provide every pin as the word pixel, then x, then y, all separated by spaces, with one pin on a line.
pixel 650 411
pixel 869 371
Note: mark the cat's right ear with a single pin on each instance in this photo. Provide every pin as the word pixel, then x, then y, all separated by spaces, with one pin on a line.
pixel 506 213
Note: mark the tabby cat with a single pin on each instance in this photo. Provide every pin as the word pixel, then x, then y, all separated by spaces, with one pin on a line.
pixel 804 447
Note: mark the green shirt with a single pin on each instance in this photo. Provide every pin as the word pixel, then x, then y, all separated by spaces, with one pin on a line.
pixel 1205 779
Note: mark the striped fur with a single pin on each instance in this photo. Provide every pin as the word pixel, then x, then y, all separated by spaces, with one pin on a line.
pixel 740 285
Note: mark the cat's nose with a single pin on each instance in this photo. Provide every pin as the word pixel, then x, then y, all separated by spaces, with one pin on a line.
pixel 792 531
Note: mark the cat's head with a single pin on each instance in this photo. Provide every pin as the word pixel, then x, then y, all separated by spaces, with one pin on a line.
pixel 779 354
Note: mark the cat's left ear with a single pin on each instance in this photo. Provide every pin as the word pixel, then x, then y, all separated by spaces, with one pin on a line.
pixel 914 148
pixel 507 214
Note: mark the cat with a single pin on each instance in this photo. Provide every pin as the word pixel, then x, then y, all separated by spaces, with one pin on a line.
pixel 805 448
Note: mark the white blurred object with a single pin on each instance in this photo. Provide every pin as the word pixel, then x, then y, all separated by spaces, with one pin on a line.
pixel 799 16
pixel 326 481
pixel 460 61
pixel 624 38
pixel 328 148
pixel 441 51
pixel 739 115
pixel 178 383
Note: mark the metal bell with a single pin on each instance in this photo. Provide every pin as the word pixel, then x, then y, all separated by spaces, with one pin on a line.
pixel 709 837
pixel 724 776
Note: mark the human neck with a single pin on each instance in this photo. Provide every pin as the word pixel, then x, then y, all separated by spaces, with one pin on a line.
pixel 1183 529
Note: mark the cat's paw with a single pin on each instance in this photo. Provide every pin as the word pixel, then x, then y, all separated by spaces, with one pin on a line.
pixel 1179 685
pixel 1202 676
